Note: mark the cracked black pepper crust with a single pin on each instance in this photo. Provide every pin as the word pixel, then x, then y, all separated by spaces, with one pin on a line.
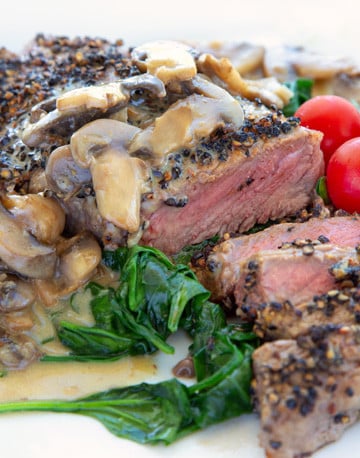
pixel 307 388
pixel 47 67
pixel 51 65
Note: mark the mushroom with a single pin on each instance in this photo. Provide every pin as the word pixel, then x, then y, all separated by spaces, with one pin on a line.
pixel 118 179
pixel 79 106
pixel 286 62
pixel 17 351
pixel 79 257
pixel 188 120
pixel 167 60
pixel 247 58
pixel 41 216
pixel 63 174
pixel 22 252
pixel 15 294
pixel 223 73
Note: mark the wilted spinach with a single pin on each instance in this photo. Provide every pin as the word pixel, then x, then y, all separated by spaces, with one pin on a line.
pixel 155 298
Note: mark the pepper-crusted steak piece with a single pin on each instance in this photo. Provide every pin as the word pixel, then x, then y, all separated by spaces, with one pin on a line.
pixel 292 274
pixel 272 178
pixel 277 320
pixel 226 265
pixel 307 390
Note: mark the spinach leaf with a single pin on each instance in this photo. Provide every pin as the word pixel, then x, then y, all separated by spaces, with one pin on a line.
pixel 301 89
pixel 139 315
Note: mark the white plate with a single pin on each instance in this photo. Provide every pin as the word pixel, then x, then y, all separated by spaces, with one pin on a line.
pixel 331 27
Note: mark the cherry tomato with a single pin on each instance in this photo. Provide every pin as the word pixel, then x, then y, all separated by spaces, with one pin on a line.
pixel 343 176
pixel 334 116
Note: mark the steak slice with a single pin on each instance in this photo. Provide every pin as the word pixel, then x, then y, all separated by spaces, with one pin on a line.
pixel 226 265
pixel 293 274
pixel 285 321
pixel 273 178
pixel 307 390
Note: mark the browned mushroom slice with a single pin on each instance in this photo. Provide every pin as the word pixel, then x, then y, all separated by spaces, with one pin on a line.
pixel 222 72
pixel 22 252
pixel 63 174
pixel 286 63
pixel 17 351
pixel 41 216
pixel 118 179
pixel 78 260
pixel 247 58
pixel 80 106
pixel 15 294
pixel 167 60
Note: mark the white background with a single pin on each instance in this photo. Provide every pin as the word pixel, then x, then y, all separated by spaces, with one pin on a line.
pixel 325 24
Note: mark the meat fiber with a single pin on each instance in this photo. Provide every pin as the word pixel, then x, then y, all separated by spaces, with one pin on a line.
pixel 307 390
pixel 226 268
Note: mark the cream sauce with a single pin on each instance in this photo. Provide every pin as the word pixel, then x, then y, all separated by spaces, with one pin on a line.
pixel 45 380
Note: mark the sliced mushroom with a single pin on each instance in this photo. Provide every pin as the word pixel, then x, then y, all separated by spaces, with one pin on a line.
pixel 247 58
pixel 167 60
pixel 15 294
pixel 63 174
pixel 78 260
pixel 41 216
pixel 286 62
pixel 195 117
pixel 22 252
pixel 223 73
pixel 79 106
pixel 118 179
pixel 17 351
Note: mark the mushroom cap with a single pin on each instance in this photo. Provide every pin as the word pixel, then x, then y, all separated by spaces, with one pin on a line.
pixel 98 135
pixel 167 60
pixel 22 252
pixel 63 174
pixel 41 216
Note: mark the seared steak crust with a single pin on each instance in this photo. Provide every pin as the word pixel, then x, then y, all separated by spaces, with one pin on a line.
pixel 307 390
pixel 283 320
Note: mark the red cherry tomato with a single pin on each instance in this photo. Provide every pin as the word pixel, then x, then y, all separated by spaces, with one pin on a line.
pixel 343 176
pixel 336 117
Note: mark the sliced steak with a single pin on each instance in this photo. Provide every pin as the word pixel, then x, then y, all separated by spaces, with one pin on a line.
pixel 293 274
pixel 241 187
pixel 277 320
pixel 307 391
pixel 225 267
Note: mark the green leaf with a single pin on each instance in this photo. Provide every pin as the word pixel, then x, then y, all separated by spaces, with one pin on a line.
pixel 301 89
pixel 321 190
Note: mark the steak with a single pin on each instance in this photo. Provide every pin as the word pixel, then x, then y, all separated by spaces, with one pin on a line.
pixel 307 390
pixel 293 275
pixel 277 320
pixel 240 188
pixel 226 267
pixel 226 177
